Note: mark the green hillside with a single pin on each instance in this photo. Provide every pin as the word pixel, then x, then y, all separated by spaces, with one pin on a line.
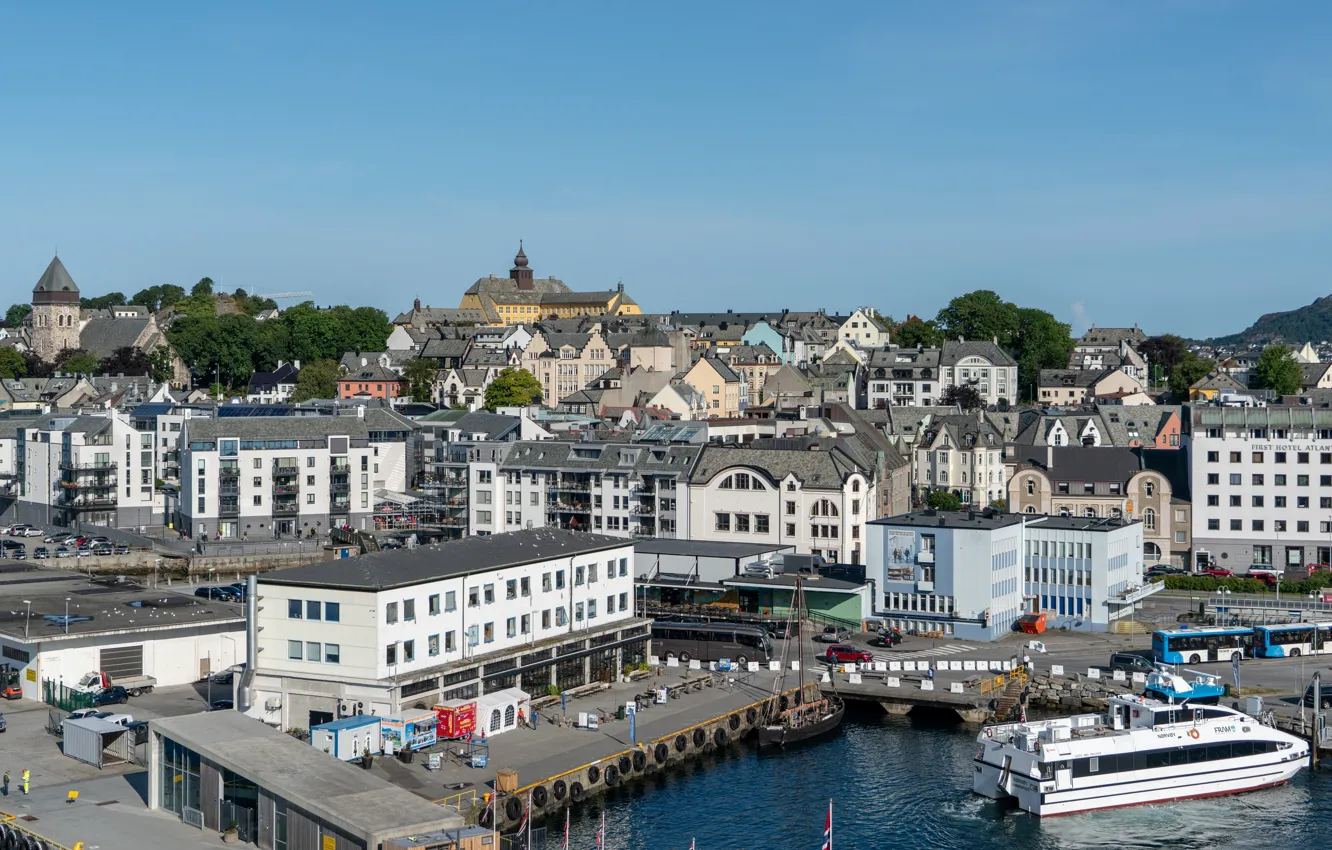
pixel 1293 327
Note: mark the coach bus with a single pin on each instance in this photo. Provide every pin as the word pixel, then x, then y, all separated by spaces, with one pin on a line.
pixel 1292 640
pixel 740 642
pixel 1194 646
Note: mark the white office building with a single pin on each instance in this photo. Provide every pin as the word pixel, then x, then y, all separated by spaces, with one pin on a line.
pixel 382 632
pixel 1261 481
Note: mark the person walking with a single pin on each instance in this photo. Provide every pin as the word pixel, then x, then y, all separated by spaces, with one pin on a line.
pixel 27 775
pixel 4 784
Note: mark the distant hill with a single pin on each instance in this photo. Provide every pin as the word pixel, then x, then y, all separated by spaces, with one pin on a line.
pixel 1293 327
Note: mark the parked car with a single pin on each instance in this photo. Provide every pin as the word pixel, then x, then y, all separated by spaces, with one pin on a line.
pixel 1155 572
pixel 223 678
pixel 833 634
pixel 33 532
pixel 118 719
pixel 41 553
pixel 840 652
pixel 221 594
pixel 1217 572
pixel 1130 663
pixel 58 537
pixel 3 725
pixel 101 549
pixel 887 638
pixel 240 589
pixel 12 544
pixel 222 705
pixel 83 552
pixel 120 549
pixel 114 695
pixel 63 552
pixel 16 529
pixel 19 554
pixel 100 539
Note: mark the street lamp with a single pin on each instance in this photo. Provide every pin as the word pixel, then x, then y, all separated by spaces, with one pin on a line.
pixel 27 618
pixel 66 615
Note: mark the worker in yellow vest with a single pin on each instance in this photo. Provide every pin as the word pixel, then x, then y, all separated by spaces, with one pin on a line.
pixel 27 775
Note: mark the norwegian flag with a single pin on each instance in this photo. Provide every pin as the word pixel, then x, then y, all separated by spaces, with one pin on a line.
pixel 827 829
pixel 527 814
pixel 601 833
pixel 566 830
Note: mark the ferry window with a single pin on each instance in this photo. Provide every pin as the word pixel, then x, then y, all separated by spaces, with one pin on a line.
pixel 1218 752
pixel 1094 765
pixel 1158 758
pixel 1197 754
pixel 1241 748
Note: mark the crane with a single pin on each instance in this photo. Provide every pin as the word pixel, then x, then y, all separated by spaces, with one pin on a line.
pixel 304 295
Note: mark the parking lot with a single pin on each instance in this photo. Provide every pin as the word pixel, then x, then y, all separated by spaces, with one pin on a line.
pixel 30 542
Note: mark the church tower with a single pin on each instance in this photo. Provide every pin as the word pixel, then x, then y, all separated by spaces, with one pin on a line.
pixel 520 273
pixel 55 312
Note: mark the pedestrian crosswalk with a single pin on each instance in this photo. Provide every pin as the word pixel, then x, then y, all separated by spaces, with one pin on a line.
pixel 949 649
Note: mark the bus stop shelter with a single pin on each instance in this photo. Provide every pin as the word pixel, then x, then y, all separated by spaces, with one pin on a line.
pixel 96 742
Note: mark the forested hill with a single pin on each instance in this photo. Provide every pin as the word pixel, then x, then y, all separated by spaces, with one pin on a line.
pixel 1293 327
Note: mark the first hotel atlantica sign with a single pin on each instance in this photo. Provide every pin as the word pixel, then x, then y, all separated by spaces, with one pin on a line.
pixel 1288 447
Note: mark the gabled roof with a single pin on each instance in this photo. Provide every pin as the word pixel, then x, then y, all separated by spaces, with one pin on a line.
pixel 1217 381
pixel 954 351
pixel 372 372
pixel 102 337
pixel 824 468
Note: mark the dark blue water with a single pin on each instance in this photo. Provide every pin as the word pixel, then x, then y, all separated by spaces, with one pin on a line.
pixel 904 783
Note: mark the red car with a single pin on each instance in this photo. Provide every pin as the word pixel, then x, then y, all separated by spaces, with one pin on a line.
pixel 1217 572
pixel 840 652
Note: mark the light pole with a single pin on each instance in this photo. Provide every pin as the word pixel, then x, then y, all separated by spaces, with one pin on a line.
pixel 66 615
pixel 27 618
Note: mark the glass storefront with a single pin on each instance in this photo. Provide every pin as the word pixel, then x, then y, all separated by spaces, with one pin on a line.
pixel 180 778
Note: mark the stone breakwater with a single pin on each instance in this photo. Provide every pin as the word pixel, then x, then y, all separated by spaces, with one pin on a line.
pixel 1071 694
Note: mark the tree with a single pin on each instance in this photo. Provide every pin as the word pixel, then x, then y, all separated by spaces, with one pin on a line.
pixel 1279 371
pixel 1163 354
pixel 160 366
pixel 35 366
pixel 158 297
pixel 76 361
pixel 203 287
pixel 12 364
pixel 103 302
pixel 914 333
pixel 512 388
pixel 1188 371
pixel 979 315
pixel 316 380
pixel 964 395
pixel 16 313
pixel 419 375
pixel 1039 342
pixel 942 500
pixel 125 361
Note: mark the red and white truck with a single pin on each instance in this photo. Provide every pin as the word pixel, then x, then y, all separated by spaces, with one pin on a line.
pixel 98 679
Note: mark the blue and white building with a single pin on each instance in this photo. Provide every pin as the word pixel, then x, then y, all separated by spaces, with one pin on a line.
pixel 971 574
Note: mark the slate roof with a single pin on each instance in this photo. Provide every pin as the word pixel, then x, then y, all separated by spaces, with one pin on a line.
pixel 407 567
pixel 602 456
pixel 1217 381
pixel 499 285
pixel 372 372
pixel 1313 373
pixel 55 279
pixel 494 426
pixel 276 427
pixel 823 469
pixel 954 351
pixel 101 337
pixel 1076 378
pixel 1112 336
pixel 914 359
pixel 284 374
pixel 964 430
pixel 38 389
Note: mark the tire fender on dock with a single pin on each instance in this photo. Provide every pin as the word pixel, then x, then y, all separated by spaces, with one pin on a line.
pixel 611 775
pixel 699 737
pixel 558 789
pixel 576 792
pixel 593 774
pixel 625 765
pixel 660 753
pixel 720 737
pixel 733 721
pixel 539 796
pixel 680 743
pixel 751 714
pixel 640 759
pixel 513 808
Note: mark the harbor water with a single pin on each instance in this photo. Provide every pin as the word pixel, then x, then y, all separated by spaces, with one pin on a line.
pixel 906 783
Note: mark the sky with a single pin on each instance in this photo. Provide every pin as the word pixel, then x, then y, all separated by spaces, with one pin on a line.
pixel 1164 163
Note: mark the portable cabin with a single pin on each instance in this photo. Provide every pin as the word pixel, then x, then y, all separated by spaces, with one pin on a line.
pixel 348 738
pixel 500 711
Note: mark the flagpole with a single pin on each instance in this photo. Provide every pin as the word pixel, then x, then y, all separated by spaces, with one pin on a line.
pixel 529 819
pixel 566 829
pixel 830 824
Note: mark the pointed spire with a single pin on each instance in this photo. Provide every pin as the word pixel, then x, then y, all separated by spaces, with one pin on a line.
pixel 520 261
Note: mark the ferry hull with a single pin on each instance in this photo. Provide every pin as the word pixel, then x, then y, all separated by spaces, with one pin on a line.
pixel 995 782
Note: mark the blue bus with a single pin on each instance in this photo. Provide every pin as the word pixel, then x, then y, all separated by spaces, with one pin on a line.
pixel 1293 640
pixel 1194 646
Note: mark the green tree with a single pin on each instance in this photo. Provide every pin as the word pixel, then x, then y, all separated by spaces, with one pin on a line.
pixel 419 375
pixel 203 287
pixel 979 315
pixel 1039 342
pixel 914 333
pixel 158 297
pixel 125 361
pixel 77 362
pixel 512 388
pixel 12 364
pixel 316 380
pixel 160 366
pixel 1190 369
pixel 16 313
pixel 942 500
pixel 201 305
pixel 963 395
pixel 1279 371
pixel 1163 354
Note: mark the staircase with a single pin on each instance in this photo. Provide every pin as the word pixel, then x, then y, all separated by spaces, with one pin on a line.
pixel 1010 699
pixel 1131 627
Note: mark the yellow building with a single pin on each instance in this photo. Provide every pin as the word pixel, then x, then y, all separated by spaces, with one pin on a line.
pixel 522 298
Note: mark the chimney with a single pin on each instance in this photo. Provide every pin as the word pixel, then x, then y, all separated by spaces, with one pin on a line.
pixel 995 339
pixel 360 411
pixel 1049 456
pixel 296 364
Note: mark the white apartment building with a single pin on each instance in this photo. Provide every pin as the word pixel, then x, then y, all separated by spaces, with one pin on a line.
pixel 618 489
pixel 1261 481
pixel 283 476
pixel 903 377
pixel 863 329
pixel 383 632
pixel 817 500
pixel 983 365
pixel 93 468
pixel 961 454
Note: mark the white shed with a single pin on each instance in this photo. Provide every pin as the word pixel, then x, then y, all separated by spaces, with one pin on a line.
pixel 96 742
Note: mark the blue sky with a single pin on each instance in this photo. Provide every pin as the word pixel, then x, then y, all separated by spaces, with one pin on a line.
pixel 1112 162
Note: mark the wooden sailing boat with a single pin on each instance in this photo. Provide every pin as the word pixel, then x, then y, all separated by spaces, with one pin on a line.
pixel 807 713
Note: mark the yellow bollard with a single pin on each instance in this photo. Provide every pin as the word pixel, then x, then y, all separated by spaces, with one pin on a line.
pixel 72 797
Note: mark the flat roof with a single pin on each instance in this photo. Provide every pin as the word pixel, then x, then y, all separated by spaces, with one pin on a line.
pixel 100 605
pixel 789 580
pixel 406 567
pixel 355 801
pixel 965 519
pixel 705 548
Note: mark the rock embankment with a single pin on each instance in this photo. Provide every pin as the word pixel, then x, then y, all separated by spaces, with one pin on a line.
pixel 1072 693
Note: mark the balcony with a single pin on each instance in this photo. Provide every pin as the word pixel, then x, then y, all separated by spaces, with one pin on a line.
pixel 101 482
pixel 228 472
pixel 572 487
pixel 80 467
pixel 285 470
pixel 569 508
pixel 644 490
pixel 286 508
pixel 924 557
pixel 229 508
pixel 339 508
pixel 339 487
pixel 90 503
pixel 286 490
pixel 642 510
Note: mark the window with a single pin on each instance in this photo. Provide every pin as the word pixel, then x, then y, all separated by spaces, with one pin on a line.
pixel 432 604
pixel 1213 501
pixel 332 612
pixel 580 574
pixel 1236 525
pixel 295 650
pixel 258 501
pixel 391 612
pixel 332 653
pixel 1279 525
pixel 591 609
pixel 545 582
pixel 391 654
pixel 1301 481
pixel 624 601
pixel 1235 478
pixel 578 612
pixel 1213 457
pixel 1149 519
pixel 545 619
pixel 1258 480
pixel 511 627
pixel 511 589
pixel 790 508
pixel 409 650
pixel 790 529
pixel 559 579
pixel 1257 525
pixel 488 633
pixel 1302 526
pixel 1235 501
pixel 294 609
pixel 1278 501
pixel 742 522
pixel 473 597
pixel 1214 525
pixel 1235 457
pixel 312 610
pixel 449 645
pixel 312 651
pixel 432 645
pixel 723 522
pixel 1277 480
pixel 1279 457
pixel 624 567
pixel 526 624
pixel 1301 457
pixel 761 523
pixel 1213 478
pixel 489 593
pixel 525 586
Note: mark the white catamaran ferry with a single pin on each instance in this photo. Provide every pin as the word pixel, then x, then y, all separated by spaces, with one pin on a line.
pixel 1142 751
